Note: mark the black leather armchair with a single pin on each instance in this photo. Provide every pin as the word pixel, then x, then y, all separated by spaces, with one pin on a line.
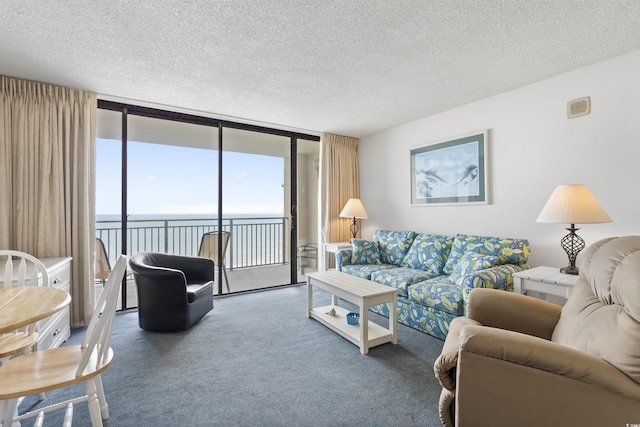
pixel 174 291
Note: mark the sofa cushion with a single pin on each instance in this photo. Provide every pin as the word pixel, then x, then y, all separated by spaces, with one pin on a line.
pixel 363 270
pixel 428 252
pixel 438 293
pixel 364 252
pixel 469 263
pixel 401 277
pixel 393 245
pixel 508 251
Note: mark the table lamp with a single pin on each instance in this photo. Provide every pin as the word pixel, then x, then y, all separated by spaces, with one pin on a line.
pixel 572 204
pixel 354 209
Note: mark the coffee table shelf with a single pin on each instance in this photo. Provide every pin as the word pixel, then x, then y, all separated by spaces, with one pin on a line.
pixel 360 292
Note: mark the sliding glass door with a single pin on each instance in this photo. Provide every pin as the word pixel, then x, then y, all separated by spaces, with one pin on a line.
pixel 109 149
pixel 307 173
pixel 188 185
pixel 256 207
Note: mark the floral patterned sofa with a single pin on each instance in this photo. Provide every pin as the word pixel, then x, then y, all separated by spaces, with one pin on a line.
pixel 433 274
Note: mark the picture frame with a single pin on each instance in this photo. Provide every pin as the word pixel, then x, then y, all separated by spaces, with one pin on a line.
pixel 453 171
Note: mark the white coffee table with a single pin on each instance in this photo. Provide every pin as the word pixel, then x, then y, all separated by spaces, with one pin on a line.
pixel 361 292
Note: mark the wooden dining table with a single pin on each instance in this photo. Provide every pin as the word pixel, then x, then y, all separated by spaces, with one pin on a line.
pixel 23 305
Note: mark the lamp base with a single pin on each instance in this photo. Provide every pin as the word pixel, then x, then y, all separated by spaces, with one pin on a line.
pixel 354 228
pixel 572 245
pixel 570 269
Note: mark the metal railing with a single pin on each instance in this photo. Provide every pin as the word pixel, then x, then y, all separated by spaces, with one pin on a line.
pixel 254 242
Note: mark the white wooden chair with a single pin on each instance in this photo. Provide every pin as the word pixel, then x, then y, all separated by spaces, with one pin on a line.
pixel 209 249
pixel 67 365
pixel 20 269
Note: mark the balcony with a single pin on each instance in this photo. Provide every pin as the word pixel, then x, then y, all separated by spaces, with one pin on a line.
pixel 257 257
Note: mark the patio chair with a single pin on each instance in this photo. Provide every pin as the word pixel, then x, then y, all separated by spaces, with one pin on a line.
pixel 67 365
pixel 102 266
pixel 20 269
pixel 307 253
pixel 209 249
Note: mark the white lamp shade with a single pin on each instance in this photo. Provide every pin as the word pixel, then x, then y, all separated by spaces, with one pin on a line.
pixel 573 204
pixel 353 209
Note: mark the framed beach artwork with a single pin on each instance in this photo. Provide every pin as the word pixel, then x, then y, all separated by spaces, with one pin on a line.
pixel 451 172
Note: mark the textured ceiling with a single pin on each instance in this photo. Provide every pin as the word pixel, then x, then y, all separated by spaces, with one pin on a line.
pixel 350 67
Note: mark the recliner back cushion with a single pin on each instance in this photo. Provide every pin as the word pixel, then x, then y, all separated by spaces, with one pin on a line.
pixel 393 245
pixel 508 251
pixel 602 315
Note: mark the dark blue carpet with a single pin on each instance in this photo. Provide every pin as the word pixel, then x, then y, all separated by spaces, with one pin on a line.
pixel 257 360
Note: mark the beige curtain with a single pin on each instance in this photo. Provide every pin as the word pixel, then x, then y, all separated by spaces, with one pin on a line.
pixel 47 180
pixel 339 181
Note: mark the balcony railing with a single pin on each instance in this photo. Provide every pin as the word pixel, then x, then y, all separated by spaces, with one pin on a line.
pixel 254 242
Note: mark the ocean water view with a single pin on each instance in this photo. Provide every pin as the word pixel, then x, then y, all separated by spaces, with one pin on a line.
pixel 255 239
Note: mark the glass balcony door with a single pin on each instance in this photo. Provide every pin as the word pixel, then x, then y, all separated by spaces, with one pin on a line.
pixel 307 171
pixel 257 208
pixel 170 196
pixel 163 185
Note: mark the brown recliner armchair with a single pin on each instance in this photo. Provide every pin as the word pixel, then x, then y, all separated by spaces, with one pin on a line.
pixel 519 361
pixel 174 291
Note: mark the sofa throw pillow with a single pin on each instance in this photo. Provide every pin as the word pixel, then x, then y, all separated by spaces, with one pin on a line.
pixel 364 252
pixel 508 251
pixel 393 245
pixel 469 263
pixel 428 252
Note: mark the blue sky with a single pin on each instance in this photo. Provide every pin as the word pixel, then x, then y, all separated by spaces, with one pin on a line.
pixel 165 179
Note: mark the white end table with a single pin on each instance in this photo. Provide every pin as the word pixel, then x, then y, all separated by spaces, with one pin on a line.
pixel 547 280
pixel 333 248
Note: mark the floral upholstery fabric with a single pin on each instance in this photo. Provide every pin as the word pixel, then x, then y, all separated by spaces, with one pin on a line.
pixel 469 263
pixel 364 252
pixel 430 320
pixel 393 245
pixel 428 252
pixel 438 293
pixel 365 271
pixel 400 278
pixel 426 319
pixel 500 277
pixel 343 257
pixel 429 300
pixel 402 310
pixel 508 251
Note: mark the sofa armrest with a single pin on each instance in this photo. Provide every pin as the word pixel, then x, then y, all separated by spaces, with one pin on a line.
pixel 499 277
pixel 547 356
pixel 514 312
pixel 343 257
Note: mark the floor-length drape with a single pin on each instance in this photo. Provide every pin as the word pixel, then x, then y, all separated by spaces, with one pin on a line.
pixel 339 181
pixel 47 182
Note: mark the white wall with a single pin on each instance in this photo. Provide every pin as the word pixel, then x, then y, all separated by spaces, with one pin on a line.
pixel 533 148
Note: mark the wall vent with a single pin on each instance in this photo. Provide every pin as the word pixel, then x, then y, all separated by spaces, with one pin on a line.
pixel 578 107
